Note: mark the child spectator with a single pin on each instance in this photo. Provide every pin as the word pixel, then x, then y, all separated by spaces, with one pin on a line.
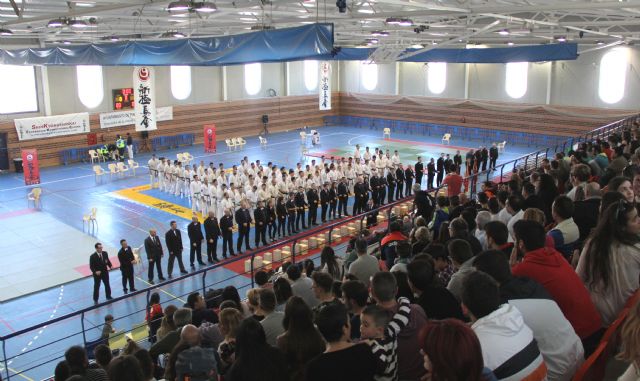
pixel 107 328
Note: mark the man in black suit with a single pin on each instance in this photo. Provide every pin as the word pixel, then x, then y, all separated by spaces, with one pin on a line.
pixel 333 200
pixel 300 204
pixel 391 186
pixel 98 263
pixel 153 247
pixel 408 180
pixel 173 239
pixel 212 232
pixel 324 202
pixel 313 200
pixel 261 220
pixel 485 158
pixel 493 156
pixel 226 228
pixel 457 159
pixel 431 173
pixel 382 191
pixel 440 169
pixel 243 219
pixel 195 241
pixel 419 169
pixel 291 215
pixel 126 258
pixel 374 183
pixel 399 182
pixel 360 190
pixel 343 197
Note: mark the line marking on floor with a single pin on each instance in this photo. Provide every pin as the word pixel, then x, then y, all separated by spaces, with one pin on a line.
pixel 161 290
pixel 355 137
pixel 18 374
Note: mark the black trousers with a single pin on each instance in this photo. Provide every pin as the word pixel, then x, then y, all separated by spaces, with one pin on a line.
pixel 127 277
pixel 492 162
pixel 390 193
pixel 173 258
pixel 419 179
pixel 212 249
pixel 156 262
pixel 300 218
pixel 358 205
pixel 272 229
pixel 381 195
pixel 399 190
pixel 282 226
pixel 313 216
pixel 227 241
pixel 332 209
pixel 195 250
pixel 342 207
pixel 104 278
pixel 291 223
pixel 484 165
pixel 261 235
pixel 439 178
pixel 243 234
pixel 324 209
pixel 430 182
pixel 407 187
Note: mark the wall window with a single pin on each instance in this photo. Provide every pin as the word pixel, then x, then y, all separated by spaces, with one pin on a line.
pixel 516 79
pixel 90 85
pixel 369 75
pixel 181 82
pixel 437 77
pixel 613 75
pixel 311 74
pixel 19 83
pixel 252 78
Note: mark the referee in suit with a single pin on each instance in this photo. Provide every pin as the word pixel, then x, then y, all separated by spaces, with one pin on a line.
pixel 100 264
pixel 243 219
pixel 126 258
pixel 153 247
pixel 173 239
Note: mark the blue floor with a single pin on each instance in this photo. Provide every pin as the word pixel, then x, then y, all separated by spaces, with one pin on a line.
pixel 70 191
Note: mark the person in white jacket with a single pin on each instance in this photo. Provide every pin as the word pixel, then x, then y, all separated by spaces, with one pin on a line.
pixel 509 349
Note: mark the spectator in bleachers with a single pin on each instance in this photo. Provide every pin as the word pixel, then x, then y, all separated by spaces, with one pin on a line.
pixel 580 174
pixel 566 233
pixel 531 199
pixel 537 215
pixel 231 293
pixel 103 356
pixel 461 254
pixel 282 289
pixel 503 216
pixel 615 167
pixel 585 213
pixel 453 182
pixel 389 242
pixel 482 219
pixel 255 359
pixel 436 301
pixel 127 368
pixel 421 241
pixel 384 290
pixel 355 296
pixel 459 229
pixel 441 215
pixel 165 345
pixel 76 358
pixel 272 321
pixel 515 206
pixel 302 286
pixel 498 237
pixel 455 206
pixel 342 360
pixel 323 290
pixel 107 327
pixel 366 265
pixel 331 264
pixel 503 335
pixel 549 268
pixel 167 324
pixel 262 279
pixel 442 263
pixel 194 363
pixel 230 319
pixel 610 261
pixel 146 364
pixel 561 348
pixel 301 341
pixel 62 371
pixel 623 185
pixel 199 311
pixel 422 203
pixel 630 349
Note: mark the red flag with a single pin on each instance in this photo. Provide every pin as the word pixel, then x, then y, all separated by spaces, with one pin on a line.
pixel 30 166
pixel 209 138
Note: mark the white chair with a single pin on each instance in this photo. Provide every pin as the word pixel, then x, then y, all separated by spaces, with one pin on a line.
pixel 231 145
pixel 501 146
pixel 386 132
pixel 113 170
pixel 98 171
pixel 263 141
pixel 187 157
pixel 90 218
pixel 240 142
pixel 303 137
pixel 93 155
pixel 122 168
pixel 312 132
pixel 34 196
pixel 133 165
pixel 180 158
pixel 446 138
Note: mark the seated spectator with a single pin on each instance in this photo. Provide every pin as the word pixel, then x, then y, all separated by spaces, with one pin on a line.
pixel 166 324
pixel 498 237
pixel 436 301
pixel 146 364
pixel 107 328
pixel 422 203
pixel 355 296
pixel 230 319
pixel 384 290
pixel 460 253
pixel 272 321
pixel 404 291
pixel 253 301
pixel 403 251
pixel 537 215
pixel 630 350
pixel 508 346
pixel 531 199
pixel 610 261
pixel 127 368
pixel 452 352
pixel 154 308
pixel 194 362
pixel 566 232
pixel 331 264
pixel 231 293
pixel 515 204
pixel 547 191
pixel 181 318
pixel 547 267
pixel 342 360
pixel 441 215
pixel 103 355
pixel 323 290
pixel 442 262
pixel 422 240
pixel 482 219
pixel 455 206
pixel 301 342
pixel 302 286
pixel 585 213
pixel 366 265
pixel 580 175
pixel 200 312
pixel 418 223
pixel 282 289
pixel 255 359
pixel 262 279
pixel 389 242
pixel 76 358
pixel 623 185
pixel 561 348
pixel 503 216
pixel 62 371
pixel 459 229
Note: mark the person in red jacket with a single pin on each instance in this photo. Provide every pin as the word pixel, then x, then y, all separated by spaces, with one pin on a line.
pixel 548 267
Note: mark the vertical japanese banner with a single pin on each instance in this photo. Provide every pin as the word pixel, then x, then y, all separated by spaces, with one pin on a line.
pixel 209 138
pixel 325 86
pixel 30 166
pixel 144 88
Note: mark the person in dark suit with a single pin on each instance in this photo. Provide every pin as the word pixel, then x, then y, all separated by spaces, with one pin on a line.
pixel 493 156
pixel 313 200
pixel 291 217
pixel 440 169
pixel 431 173
pixel 153 247
pixel 324 202
pixel 272 218
pixel 100 264
pixel 343 197
pixel 408 180
pixel 485 157
pixel 243 219
pixel 211 234
pixel 360 190
pixel 333 200
pixel 374 183
pixel 391 186
pixel 226 228
pixel 300 204
pixel 399 182
pixel 382 191
pixel 126 259
pixel 281 212
pixel 195 241
pixel 419 169
pixel 372 214
pixel 261 220
pixel 173 239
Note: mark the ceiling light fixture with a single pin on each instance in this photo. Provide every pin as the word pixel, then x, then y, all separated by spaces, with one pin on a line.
pixel 78 24
pixel 379 33
pixel 179 6
pixel 5 32
pixel 503 32
pixel 561 39
pixel 206 7
pixel 510 43
pixel 56 23
pixel 398 21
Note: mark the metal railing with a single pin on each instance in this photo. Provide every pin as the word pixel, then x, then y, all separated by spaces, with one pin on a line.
pixel 526 162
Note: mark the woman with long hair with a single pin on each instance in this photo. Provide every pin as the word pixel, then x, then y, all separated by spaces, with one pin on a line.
pixel 301 340
pixel 283 291
pixel 154 316
pixel 452 352
pixel 610 261
pixel 623 185
pixel 167 324
pixel 331 264
pixel 231 293
pixel 547 191
pixel 230 319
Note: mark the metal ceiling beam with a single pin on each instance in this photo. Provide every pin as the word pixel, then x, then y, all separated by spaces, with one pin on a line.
pixel 15 7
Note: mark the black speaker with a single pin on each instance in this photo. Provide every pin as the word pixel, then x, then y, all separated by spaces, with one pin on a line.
pixel 265 119
pixel 145 134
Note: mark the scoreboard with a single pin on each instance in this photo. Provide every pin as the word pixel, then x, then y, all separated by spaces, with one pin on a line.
pixel 123 99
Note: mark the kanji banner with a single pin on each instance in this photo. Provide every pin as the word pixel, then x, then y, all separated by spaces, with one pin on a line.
pixel 325 86
pixel 30 166
pixel 127 118
pixel 144 87
pixel 209 138
pixel 50 126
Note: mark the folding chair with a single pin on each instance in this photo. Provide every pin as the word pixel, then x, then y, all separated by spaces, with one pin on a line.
pixel 446 138
pixel 113 170
pixel 90 218
pixel 231 145
pixel 386 132
pixel 93 155
pixel 34 196
pixel 133 165
pixel 122 168
pixel 263 141
pixel 501 146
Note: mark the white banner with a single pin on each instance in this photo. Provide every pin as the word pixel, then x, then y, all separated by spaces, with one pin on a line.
pixel 127 118
pixel 145 95
pixel 325 86
pixel 49 126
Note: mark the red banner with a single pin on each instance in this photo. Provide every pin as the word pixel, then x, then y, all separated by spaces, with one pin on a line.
pixel 209 138
pixel 30 166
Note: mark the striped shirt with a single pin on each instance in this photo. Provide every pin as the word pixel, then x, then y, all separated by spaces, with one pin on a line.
pixel 385 349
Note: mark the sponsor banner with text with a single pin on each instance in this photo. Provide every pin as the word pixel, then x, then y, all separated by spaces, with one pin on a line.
pixel 50 126
pixel 127 118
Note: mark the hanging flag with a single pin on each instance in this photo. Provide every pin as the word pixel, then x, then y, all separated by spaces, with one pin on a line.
pixel 325 86
pixel 145 107
pixel 209 138
pixel 30 166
